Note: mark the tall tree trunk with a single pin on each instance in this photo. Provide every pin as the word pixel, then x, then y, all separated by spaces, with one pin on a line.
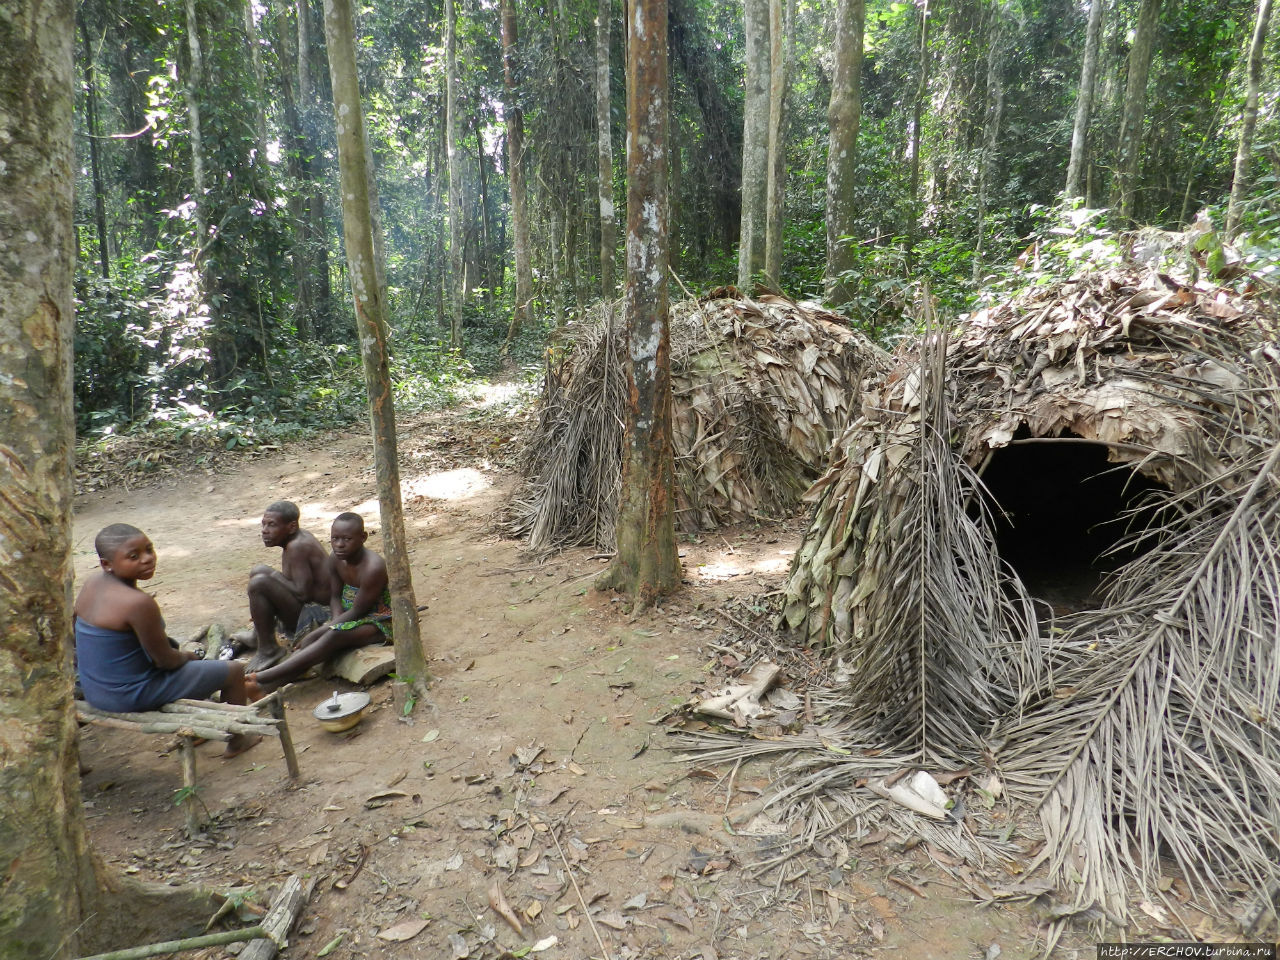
pixel 441 224
pixel 991 126
pixel 48 874
pixel 313 172
pixel 780 34
pixel 556 258
pixel 455 173
pixel 259 77
pixel 604 150
pixel 1240 180
pixel 299 219
pixel 917 118
pixel 1084 101
pixel 191 89
pixel 646 564
pixel 368 293
pixel 95 162
pixel 483 246
pixel 674 174
pixel 516 175
pixel 755 141
pixel 1129 151
pixel 844 114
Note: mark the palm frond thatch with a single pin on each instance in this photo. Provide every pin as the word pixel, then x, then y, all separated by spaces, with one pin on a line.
pixel 1144 731
pixel 760 390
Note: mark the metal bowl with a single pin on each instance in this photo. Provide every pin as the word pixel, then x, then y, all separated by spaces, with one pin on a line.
pixel 342 711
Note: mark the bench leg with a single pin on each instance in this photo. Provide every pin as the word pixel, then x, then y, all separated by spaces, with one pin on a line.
pixel 286 739
pixel 189 785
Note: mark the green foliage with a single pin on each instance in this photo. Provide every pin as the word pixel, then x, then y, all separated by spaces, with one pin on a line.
pixel 428 375
pixel 1065 240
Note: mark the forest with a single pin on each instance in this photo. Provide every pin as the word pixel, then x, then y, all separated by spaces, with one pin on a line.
pixel 858 152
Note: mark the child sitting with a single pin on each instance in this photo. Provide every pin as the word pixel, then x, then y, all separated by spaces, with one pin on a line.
pixel 360 602
pixel 126 661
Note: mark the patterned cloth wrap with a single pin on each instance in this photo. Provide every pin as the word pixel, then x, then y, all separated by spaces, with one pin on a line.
pixel 380 617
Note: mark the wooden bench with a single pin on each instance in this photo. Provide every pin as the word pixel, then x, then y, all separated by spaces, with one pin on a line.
pixel 203 719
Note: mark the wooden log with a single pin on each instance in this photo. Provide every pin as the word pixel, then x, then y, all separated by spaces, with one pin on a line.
pixel 190 943
pixel 279 920
pixel 364 665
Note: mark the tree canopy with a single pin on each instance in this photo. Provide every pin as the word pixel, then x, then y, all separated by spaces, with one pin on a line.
pixel 210 274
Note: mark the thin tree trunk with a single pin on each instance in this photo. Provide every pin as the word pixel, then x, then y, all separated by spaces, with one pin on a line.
pixel 755 142
pixel 991 127
pixel 483 246
pixel 455 174
pixel 259 76
pixel 441 225
pixel 604 150
pixel 776 189
pixel 646 564
pixel 95 162
pixel 1084 101
pixel 364 262
pixel 917 117
pixel 313 171
pixel 516 175
pixel 49 877
pixel 1240 180
pixel 191 89
pixel 844 114
pixel 674 175
pixel 299 220
pixel 555 256
pixel 1129 152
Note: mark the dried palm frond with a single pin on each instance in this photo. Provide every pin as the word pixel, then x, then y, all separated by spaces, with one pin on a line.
pixel 939 651
pixel 760 389
pixel 1158 737
pixel 1144 731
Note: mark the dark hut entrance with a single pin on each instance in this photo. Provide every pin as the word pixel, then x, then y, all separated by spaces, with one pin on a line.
pixel 1059 508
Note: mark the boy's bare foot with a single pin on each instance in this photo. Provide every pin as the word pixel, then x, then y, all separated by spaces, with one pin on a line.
pixel 239 744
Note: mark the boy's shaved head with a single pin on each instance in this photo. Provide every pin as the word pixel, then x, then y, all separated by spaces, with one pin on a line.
pixel 108 540
pixel 352 518
pixel 286 510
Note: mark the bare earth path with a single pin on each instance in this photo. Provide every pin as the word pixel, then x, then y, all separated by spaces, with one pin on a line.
pixel 533 770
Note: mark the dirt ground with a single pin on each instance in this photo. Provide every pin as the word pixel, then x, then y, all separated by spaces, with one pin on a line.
pixel 533 770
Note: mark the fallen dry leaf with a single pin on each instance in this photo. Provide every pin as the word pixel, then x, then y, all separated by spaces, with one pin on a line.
pixel 382 797
pixel 612 919
pixel 500 906
pixel 676 917
pixel 403 931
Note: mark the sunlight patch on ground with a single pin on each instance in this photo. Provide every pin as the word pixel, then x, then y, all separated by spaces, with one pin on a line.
pixel 456 484
pixel 460 484
pixel 728 567
pixel 491 394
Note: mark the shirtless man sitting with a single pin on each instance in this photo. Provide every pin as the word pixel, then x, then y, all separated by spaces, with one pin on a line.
pixel 360 603
pixel 297 595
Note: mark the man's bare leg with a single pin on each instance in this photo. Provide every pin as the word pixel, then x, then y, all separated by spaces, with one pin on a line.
pixel 331 642
pixel 269 601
